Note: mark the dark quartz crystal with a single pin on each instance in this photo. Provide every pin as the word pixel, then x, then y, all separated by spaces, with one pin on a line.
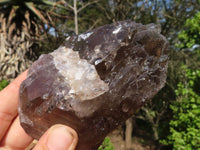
pixel 94 81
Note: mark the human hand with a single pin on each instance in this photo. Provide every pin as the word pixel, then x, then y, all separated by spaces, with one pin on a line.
pixel 12 135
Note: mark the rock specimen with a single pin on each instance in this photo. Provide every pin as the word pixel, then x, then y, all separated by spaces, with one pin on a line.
pixel 94 81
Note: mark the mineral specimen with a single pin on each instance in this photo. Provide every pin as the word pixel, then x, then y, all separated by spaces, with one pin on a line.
pixel 94 81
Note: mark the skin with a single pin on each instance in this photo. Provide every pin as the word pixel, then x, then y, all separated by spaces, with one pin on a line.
pixel 12 135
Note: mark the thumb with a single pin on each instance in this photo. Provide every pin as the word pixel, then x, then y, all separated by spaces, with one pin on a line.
pixel 58 137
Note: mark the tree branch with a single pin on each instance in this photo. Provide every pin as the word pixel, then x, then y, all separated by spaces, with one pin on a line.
pixel 68 5
pixel 75 17
pixel 107 15
pixel 87 4
pixel 140 117
pixel 94 24
pixel 60 16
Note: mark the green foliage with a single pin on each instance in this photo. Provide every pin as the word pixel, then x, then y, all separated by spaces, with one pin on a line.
pixel 106 145
pixel 3 84
pixel 191 35
pixel 185 126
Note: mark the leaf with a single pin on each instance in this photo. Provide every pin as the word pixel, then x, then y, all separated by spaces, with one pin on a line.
pixel 3 2
pixel 51 4
pixel 30 5
pixel 3 84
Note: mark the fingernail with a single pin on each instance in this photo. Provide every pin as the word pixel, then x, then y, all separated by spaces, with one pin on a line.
pixel 59 138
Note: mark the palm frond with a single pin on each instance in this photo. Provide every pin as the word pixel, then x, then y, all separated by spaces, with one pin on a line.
pixel 3 2
pixel 53 4
pixel 31 6
pixel 10 17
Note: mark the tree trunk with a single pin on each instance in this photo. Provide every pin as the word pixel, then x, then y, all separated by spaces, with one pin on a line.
pixel 75 16
pixel 155 132
pixel 128 134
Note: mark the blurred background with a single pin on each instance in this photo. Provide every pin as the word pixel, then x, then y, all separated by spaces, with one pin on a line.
pixel 29 28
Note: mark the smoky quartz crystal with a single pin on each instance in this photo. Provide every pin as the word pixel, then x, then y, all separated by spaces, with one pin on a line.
pixel 94 81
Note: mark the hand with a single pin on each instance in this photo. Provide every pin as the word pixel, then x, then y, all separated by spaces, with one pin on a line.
pixel 12 135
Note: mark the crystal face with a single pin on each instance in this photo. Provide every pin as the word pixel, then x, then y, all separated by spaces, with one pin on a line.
pixel 94 81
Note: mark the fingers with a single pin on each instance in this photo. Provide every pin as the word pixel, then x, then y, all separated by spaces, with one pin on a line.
pixel 58 137
pixel 16 138
pixel 9 103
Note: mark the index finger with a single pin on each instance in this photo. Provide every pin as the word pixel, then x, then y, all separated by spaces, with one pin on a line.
pixel 9 103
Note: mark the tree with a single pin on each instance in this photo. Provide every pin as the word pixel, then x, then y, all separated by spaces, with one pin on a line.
pixel 77 7
pixel 190 36
pixel 171 15
pixel 21 24
pixel 185 126
pixel 128 134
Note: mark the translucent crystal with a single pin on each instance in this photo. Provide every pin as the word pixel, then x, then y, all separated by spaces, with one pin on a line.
pixel 94 81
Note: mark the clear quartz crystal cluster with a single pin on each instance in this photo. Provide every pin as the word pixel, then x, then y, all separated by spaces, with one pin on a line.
pixel 94 81
pixel 82 77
